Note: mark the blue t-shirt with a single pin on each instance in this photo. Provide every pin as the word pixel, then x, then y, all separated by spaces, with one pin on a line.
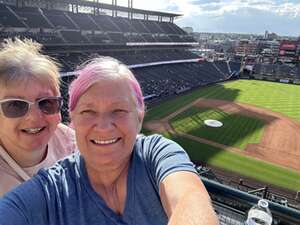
pixel 63 195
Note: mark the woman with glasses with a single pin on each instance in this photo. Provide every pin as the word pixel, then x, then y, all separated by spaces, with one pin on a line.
pixel 31 135
pixel 117 176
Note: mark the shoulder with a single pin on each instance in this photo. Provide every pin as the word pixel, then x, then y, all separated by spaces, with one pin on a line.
pixel 156 142
pixel 64 131
pixel 63 140
pixel 62 179
pixel 60 168
pixel 154 149
pixel 162 156
pixel 152 140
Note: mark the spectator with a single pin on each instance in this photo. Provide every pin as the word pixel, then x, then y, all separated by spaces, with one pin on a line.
pixel 31 136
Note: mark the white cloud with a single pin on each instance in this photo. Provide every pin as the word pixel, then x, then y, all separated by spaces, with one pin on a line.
pixel 288 9
pixel 218 7
pixel 230 15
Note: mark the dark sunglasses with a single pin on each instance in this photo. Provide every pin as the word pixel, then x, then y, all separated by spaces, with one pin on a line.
pixel 14 107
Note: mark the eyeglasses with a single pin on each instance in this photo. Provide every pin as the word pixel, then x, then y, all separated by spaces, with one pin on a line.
pixel 14 107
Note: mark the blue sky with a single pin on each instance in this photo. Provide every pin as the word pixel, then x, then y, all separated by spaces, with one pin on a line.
pixel 238 16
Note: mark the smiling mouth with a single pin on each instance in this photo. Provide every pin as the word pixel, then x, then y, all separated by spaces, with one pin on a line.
pixel 106 142
pixel 33 130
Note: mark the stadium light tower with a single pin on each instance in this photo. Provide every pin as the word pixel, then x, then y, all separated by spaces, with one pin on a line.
pixel 130 6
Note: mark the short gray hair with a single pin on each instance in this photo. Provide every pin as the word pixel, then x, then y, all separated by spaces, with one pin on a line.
pixel 21 60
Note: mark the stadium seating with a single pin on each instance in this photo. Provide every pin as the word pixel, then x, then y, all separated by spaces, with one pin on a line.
pixel 32 17
pixel 235 66
pixel 8 18
pixel 83 21
pixel 222 66
pixel 59 19
pixel 277 71
pixel 73 36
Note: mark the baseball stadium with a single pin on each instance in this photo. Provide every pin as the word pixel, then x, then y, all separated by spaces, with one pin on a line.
pixel 240 128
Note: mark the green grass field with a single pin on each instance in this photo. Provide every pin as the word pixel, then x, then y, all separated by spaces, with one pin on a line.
pixel 278 97
pixel 246 166
pixel 282 98
pixel 237 130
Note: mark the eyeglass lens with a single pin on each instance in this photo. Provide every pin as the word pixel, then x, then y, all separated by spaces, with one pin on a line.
pixel 18 108
pixel 50 106
pixel 14 108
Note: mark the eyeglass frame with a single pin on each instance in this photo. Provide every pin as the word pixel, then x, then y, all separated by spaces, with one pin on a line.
pixel 30 103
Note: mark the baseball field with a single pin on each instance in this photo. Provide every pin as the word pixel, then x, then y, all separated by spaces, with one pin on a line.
pixel 260 136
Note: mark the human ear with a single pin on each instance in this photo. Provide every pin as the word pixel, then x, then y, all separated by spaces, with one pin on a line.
pixel 140 119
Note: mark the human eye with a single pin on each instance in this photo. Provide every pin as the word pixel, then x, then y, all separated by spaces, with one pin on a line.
pixel 120 111
pixel 14 105
pixel 87 112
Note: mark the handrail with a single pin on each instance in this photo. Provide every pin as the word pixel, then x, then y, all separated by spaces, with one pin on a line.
pixel 281 213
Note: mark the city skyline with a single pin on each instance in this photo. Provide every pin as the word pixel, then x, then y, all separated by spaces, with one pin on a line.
pixel 231 16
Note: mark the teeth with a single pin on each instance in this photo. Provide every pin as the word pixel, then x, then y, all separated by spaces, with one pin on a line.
pixel 33 130
pixel 106 141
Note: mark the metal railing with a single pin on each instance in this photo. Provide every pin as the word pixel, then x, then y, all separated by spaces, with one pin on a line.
pixel 236 203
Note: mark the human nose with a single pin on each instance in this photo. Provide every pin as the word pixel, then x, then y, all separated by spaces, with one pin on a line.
pixel 34 110
pixel 104 122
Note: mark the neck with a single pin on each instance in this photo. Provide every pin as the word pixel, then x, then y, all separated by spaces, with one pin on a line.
pixel 111 185
pixel 26 158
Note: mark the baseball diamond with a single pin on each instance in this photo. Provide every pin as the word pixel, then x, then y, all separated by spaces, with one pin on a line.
pixel 260 138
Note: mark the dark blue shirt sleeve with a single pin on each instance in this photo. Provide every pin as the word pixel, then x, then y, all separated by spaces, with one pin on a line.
pixel 166 157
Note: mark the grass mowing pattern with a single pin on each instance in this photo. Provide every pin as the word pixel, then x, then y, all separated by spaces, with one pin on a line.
pixel 166 108
pixel 283 98
pixel 278 97
pixel 237 130
pixel 246 166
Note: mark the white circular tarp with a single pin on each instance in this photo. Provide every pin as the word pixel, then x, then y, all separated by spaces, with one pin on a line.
pixel 213 123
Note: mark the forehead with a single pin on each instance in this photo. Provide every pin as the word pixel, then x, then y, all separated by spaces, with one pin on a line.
pixel 28 89
pixel 108 91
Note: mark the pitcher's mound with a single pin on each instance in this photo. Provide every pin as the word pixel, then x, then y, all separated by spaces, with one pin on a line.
pixel 213 123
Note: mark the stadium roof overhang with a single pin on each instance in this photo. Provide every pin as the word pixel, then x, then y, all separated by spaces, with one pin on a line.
pixel 97 4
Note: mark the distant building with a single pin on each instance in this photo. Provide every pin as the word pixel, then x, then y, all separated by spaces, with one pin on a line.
pixel 246 47
pixel 189 30
pixel 268 51
pixel 288 51
pixel 270 36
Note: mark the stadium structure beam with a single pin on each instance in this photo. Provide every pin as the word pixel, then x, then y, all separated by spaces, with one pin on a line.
pixel 130 7
pixel 95 5
pixel 126 9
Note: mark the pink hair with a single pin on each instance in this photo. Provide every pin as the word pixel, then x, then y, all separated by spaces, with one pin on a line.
pixel 103 68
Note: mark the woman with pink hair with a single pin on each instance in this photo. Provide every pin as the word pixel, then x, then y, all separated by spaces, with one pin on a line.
pixel 118 176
